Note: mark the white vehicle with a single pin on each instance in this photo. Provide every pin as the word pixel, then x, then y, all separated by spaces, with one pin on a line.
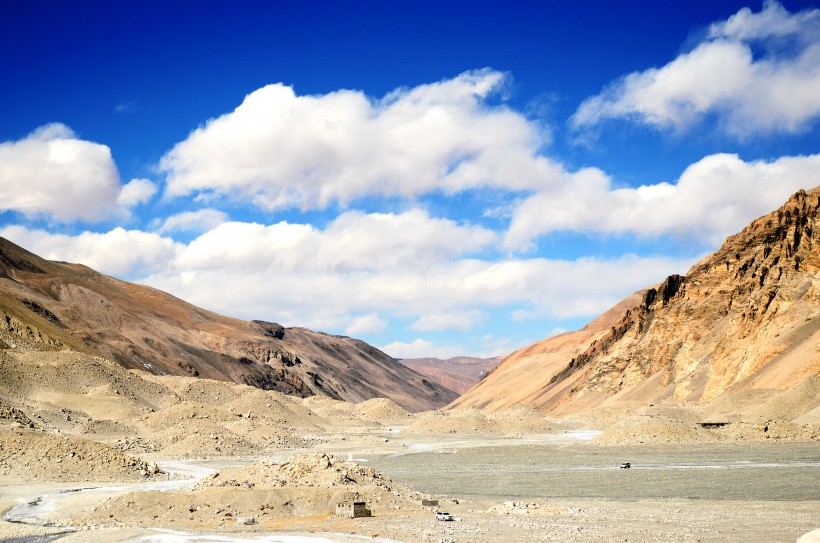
pixel 441 515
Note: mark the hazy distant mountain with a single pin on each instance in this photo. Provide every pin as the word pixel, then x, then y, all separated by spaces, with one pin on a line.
pixel 58 305
pixel 743 322
pixel 460 373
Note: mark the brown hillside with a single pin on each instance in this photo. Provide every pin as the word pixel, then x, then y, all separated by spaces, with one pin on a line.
pixel 745 318
pixel 520 377
pixel 56 306
pixel 459 374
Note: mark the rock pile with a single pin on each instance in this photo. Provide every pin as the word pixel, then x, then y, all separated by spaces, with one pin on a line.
pixel 14 417
pixel 306 470
pixel 33 456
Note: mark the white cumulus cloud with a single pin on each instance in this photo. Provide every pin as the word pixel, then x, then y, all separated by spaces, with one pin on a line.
pixel 201 220
pixel 136 192
pixel 321 298
pixel 303 276
pixel 52 173
pixel 281 150
pixel 714 197
pixel 354 241
pixel 751 92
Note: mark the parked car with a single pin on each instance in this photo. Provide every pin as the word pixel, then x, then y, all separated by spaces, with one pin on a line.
pixel 441 515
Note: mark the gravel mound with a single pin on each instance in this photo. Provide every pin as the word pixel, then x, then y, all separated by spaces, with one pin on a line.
pixel 306 470
pixel 196 430
pixel 523 420
pixel 654 430
pixel 382 410
pixel 32 456
pixel 467 421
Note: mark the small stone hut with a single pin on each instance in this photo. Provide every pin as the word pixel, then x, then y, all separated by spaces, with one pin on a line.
pixel 352 509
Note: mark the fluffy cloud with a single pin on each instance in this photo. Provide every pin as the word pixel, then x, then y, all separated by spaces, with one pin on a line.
pixel 772 22
pixel 774 92
pixel 119 252
pixel 280 150
pixel 352 242
pixel 51 172
pixel 714 197
pixel 136 192
pixel 201 220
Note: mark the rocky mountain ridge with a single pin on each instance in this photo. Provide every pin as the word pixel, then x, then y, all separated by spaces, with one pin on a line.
pixel 743 321
pixel 46 305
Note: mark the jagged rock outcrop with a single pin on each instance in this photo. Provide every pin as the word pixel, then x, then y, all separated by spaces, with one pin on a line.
pixel 746 317
pixel 47 305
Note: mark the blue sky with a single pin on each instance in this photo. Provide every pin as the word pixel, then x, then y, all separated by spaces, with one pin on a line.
pixel 438 179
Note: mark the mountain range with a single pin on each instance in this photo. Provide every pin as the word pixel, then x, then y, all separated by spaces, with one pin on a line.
pixel 58 306
pixel 741 328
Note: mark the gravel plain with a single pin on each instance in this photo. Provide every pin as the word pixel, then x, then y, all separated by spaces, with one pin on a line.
pixel 550 489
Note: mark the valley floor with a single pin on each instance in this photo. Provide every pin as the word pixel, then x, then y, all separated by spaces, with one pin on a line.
pixel 553 487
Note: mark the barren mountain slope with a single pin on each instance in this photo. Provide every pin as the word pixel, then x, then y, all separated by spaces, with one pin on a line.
pixel 460 373
pixel 57 305
pixel 745 318
pixel 521 376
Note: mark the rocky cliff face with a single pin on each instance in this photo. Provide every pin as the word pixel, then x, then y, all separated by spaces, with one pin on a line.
pixel 746 317
pixel 48 305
